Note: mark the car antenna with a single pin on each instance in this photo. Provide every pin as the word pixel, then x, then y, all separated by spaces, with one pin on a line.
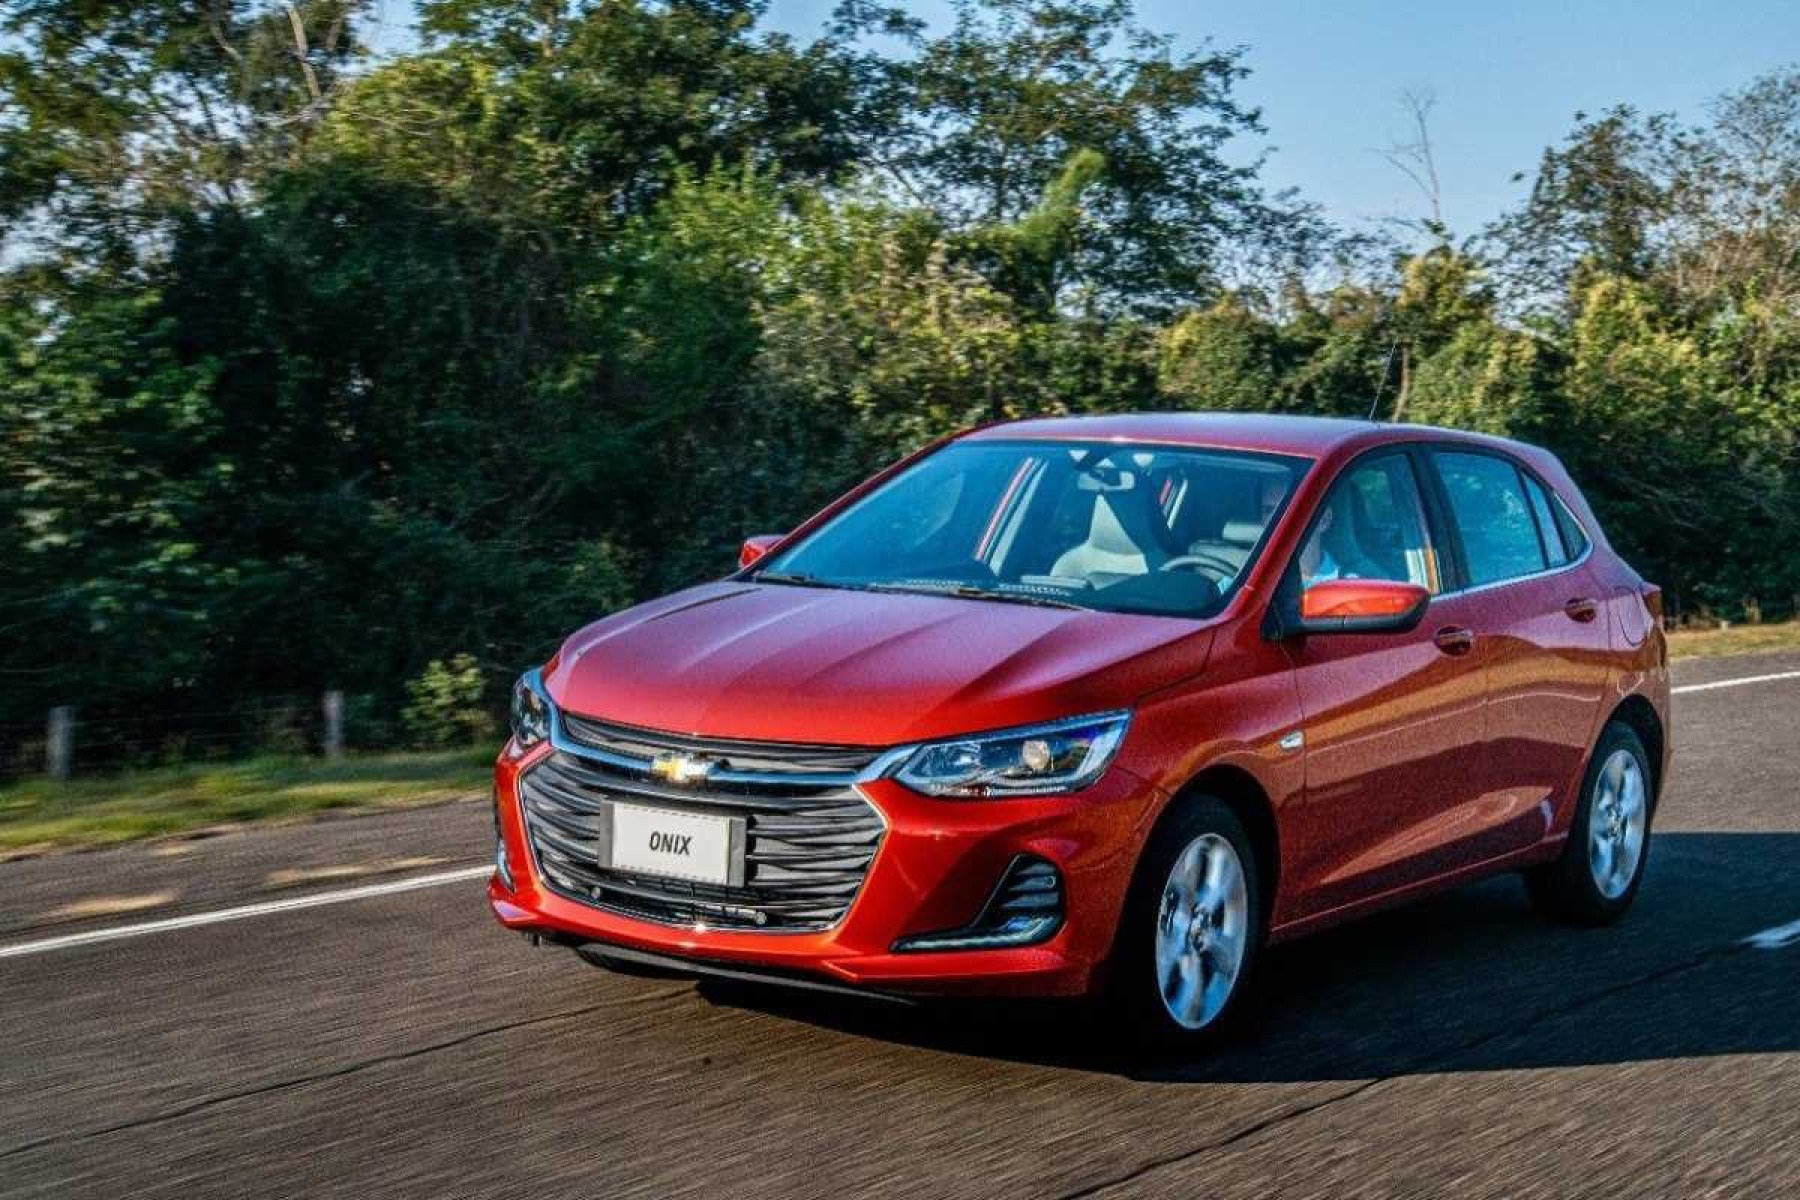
pixel 1387 368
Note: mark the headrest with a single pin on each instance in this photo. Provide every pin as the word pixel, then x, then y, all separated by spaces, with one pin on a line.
pixel 1241 533
pixel 1107 533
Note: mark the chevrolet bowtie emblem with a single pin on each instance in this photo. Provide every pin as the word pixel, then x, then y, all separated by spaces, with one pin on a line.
pixel 680 769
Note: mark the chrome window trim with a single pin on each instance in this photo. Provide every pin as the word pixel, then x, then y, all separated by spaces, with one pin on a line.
pixel 1567 510
pixel 1431 448
pixel 1511 580
pixel 1426 447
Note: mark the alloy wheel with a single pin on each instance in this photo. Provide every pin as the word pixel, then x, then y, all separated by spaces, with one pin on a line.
pixel 1202 931
pixel 1617 822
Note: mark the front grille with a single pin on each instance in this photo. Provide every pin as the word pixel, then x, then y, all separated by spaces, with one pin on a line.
pixel 809 835
pixel 787 758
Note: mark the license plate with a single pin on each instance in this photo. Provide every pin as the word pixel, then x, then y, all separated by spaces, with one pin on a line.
pixel 676 845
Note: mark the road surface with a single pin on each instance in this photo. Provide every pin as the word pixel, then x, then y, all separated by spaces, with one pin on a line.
pixel 371 1041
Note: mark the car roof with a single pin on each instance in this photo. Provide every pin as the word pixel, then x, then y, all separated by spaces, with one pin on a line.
pixel 1309 437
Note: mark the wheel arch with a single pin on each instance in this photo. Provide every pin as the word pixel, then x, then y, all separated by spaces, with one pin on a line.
pixel 1640 716
pixel 1248 800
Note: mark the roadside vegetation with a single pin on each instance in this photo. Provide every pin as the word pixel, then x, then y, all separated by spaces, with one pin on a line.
pixel 1734 639
pixel 322 369
pixel 37 815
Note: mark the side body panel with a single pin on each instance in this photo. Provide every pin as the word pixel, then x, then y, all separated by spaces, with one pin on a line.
pixel 1548 677
pixel 1233 718
pixel 1396 781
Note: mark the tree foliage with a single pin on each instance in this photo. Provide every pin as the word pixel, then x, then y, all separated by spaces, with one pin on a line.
pixel 1019 93
pixel 324 371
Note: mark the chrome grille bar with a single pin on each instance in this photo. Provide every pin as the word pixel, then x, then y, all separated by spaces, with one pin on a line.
pixel 810 836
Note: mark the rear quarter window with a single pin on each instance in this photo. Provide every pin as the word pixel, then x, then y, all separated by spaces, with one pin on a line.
pixel 1548 529
pixel 1574 536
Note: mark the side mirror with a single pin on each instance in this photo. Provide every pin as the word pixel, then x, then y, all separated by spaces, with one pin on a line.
pixel 755 547
pixel 1361 606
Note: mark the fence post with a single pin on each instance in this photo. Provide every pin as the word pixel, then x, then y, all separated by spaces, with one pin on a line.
pixel 334 724
pixel 59 741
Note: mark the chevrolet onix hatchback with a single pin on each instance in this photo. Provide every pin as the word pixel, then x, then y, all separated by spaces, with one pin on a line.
pixel 1099 707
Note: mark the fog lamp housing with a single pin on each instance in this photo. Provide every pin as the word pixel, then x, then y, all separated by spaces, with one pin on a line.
pixel 1025 909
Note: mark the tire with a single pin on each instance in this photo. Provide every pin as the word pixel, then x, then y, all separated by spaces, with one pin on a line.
pixel 1162 954
pixel 1602 864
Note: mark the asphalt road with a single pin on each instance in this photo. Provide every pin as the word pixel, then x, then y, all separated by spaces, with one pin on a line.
pixel 401 1044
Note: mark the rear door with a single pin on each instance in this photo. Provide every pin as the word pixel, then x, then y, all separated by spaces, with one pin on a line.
pixel 1537 608
pixel 1394 722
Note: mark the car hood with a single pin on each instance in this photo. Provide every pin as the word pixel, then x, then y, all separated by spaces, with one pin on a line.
pixel 795 664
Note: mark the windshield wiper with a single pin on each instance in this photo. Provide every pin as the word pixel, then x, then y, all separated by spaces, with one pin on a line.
pixel 798 579
pixel 965 591
pixel 1035 601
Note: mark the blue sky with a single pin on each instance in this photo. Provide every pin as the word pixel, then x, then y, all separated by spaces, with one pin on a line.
pixel 1508 76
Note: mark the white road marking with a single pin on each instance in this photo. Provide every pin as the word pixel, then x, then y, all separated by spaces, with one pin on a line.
pixel 1725 683
pixel 244 912
pixel 1776 938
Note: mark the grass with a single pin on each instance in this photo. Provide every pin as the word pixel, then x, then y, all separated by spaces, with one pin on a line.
pixel 1736 639
pixel 38 814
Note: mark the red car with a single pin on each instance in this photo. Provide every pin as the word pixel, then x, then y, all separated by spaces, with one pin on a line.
pixel 1099 706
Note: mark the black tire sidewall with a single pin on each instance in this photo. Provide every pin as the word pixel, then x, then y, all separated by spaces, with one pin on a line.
pixel 1567 888
pixel 1133 991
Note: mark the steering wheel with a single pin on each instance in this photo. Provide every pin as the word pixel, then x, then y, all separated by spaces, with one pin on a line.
pixel 1216 563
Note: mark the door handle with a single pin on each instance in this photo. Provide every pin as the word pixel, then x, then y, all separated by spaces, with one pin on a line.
pixel 1582 609
pixel 1454 640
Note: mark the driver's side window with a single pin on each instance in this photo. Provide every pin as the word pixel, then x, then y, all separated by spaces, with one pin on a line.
pixel 1371 526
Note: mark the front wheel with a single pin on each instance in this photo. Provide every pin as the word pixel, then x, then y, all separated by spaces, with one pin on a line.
pixel 1191 930
pixel 1602 864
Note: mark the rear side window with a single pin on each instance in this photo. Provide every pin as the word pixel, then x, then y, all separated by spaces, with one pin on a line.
pixel 1546 523
pixel 1493 516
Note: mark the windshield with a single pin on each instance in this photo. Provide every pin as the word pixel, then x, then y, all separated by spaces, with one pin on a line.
pixel 1113 526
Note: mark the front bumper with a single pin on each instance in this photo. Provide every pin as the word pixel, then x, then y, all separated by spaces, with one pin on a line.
pixel 936 867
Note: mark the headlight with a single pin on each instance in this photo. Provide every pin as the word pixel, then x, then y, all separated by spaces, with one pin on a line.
pixel 1035 761
pixel 530 711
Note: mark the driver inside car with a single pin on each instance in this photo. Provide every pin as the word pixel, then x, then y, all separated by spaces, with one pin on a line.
pixel 1345 543
pixel 1316 562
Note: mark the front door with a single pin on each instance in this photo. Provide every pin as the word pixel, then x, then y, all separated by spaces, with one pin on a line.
pixel 1394 723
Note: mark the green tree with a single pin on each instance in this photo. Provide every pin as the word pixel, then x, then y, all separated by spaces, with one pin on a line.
pixel 1595 205
pixel 1001 106
pixel 316 370
pixel 561 120
pixel 116 118
pixel 1693 470
pixel 1486 378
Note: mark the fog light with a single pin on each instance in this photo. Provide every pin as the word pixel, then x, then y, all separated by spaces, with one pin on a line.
pixel 1025 909
pixel 502 872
